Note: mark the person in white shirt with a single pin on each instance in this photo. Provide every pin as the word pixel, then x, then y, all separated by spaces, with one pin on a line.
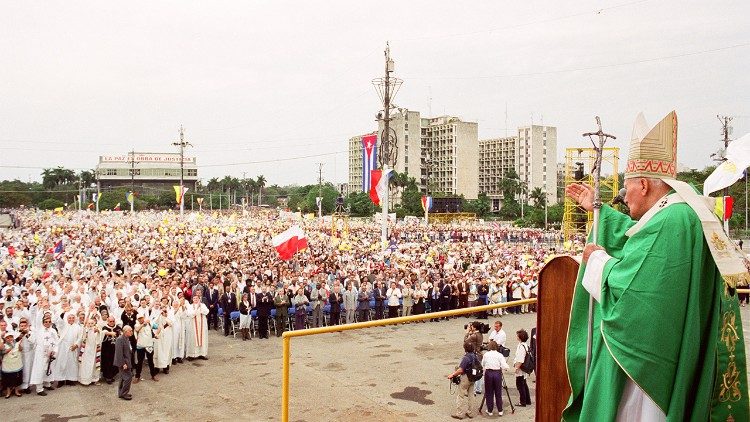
pixel 393 294
pixel 520 357
pixel 493 363
pixel 498 334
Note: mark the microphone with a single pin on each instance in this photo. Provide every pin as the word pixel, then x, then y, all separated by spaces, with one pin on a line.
pixel 620 198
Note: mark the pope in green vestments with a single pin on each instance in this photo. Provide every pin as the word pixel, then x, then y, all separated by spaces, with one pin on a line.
pixel 667 335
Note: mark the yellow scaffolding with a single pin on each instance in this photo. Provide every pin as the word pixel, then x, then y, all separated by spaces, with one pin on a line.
pixel 575 219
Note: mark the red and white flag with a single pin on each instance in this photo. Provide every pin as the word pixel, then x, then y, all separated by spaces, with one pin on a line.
pixel 379 185
pixel 290 242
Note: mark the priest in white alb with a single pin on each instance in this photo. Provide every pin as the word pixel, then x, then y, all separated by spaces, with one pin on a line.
pixel 196 343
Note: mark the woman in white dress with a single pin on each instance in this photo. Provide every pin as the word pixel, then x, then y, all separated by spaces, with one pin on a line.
pixel 89 354
pixel 245 317
pixel 163 341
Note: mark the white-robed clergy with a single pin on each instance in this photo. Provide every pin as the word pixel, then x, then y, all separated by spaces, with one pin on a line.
pixel 163 341
pixel 89 355
pixel 178 331
pixel 196 345
pixel 44 340
pixel 66 364
pixel 27 352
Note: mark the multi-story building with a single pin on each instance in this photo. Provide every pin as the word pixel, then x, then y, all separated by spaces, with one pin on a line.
pixel 537 159
pixel 445 146
pixel 450 149
pixel 145 169
pixel 355 165
pixel 406 127
pixel 496 157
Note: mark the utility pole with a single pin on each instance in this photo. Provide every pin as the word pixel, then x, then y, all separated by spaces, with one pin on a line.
pixel 387 87
pixel 244 182
pixel 132 177
pixel 725 132
pixel 182 144
pixel 320 190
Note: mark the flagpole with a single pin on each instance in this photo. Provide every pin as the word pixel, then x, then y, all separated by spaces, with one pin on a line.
pixel 384 202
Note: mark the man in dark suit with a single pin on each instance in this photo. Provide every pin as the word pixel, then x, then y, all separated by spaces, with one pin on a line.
pixel 228 303
pixel 212 300
pixel 123 360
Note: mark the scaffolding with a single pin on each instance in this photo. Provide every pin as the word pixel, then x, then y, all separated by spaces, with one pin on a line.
pixel 578 166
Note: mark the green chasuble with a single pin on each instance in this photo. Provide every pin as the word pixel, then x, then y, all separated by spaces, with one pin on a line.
pixel 666 320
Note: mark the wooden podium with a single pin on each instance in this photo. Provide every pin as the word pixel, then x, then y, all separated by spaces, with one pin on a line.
pixel 555 296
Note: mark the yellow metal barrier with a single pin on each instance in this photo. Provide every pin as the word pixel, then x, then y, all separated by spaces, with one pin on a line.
pixel 743 290
pixel 287 337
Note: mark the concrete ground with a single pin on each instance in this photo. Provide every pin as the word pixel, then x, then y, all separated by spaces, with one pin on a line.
pixel 392 373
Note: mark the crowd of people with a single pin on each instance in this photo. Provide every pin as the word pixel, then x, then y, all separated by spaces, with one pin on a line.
pixel 73 283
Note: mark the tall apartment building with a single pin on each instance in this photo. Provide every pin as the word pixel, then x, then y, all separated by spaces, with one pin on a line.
pixel 452 146
pixel 537 159
pixel 496 157
pixel 355 165
pixel 405 125
pixel 532 154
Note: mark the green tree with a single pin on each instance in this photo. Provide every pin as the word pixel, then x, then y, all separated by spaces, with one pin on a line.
pixel 50 204
pixel 260 182
pixel 359 204
pixel 538 197
pixel 329 194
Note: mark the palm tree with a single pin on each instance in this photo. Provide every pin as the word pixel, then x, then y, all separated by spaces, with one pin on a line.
pixel 250 186
pixel 48 178
pixel 537 195
pixel 260 182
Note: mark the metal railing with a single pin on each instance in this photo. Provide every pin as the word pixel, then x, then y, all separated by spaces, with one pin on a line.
pixel 287 336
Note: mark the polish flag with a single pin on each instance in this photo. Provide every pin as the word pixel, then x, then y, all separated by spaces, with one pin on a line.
pixel 290 242
pixel 379 185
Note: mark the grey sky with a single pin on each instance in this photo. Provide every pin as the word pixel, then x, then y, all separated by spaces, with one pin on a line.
pixel 259 81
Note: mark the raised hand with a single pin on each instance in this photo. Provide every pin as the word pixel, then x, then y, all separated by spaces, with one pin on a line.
pixel 582 193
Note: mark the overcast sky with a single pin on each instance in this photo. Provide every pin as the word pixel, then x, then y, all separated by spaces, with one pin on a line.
pixel 261 81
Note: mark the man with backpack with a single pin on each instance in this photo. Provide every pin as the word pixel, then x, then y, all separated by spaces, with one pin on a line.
pixel 469 371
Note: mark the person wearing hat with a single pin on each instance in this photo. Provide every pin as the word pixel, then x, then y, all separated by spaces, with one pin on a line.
pixel 667 339
pixel 144 347
pixel 12 364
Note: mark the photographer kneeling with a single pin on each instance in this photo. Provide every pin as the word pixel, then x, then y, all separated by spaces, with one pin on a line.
pixel 464 401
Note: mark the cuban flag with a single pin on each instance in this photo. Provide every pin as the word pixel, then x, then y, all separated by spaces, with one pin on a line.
pixel 369 159
pixel 426 203
pixel 57 250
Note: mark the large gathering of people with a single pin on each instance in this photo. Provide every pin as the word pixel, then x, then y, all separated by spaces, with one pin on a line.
pixel 78 288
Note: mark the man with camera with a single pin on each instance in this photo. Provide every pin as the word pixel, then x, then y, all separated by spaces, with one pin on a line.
pixel 464 401
pixel 498 334
pixel 474 336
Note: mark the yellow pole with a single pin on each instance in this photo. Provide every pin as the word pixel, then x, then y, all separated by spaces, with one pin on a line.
pixel 285 378
pixel 287 337
pixel 743 290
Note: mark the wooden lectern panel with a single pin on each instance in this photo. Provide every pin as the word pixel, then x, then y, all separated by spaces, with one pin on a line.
pixel 555 296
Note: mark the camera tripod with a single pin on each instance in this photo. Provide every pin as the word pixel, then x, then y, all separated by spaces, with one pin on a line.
pixel 507 394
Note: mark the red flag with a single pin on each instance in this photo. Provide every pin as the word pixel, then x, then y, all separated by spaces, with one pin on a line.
pixel 728 207
pixel 11 251
pixel 290 242
pixel 378 185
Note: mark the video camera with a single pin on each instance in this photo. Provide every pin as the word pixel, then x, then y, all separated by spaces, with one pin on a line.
pixel 481 327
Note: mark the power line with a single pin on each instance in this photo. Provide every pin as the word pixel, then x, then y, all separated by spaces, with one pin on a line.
pixel 577 69
pixel 521 25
